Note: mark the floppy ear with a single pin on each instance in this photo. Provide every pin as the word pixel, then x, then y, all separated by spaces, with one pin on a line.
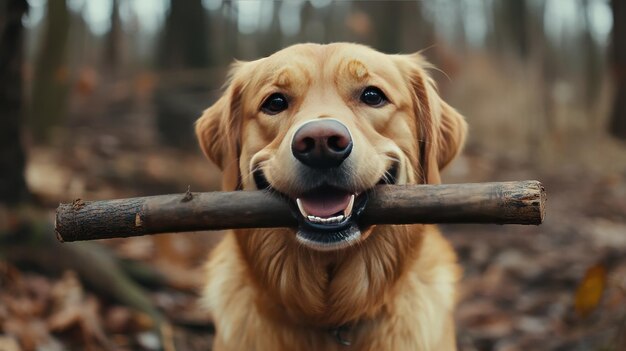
pixel 441 129
pixel 218 131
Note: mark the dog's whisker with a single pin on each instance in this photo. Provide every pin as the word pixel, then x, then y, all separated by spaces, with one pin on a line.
pixel 387 177
pixel 258 167
pixel 250 174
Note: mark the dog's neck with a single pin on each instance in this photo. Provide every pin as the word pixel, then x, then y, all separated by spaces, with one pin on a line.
pixel 327 289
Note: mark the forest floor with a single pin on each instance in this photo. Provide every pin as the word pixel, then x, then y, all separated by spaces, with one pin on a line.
pixel 558 286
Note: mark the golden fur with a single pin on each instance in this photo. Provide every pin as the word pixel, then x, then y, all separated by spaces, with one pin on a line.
pixel 395 288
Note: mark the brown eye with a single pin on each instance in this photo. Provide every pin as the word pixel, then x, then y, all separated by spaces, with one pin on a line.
pixel 274 104
pixel 373 96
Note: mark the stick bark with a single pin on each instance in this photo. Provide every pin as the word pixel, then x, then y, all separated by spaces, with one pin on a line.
pixel 519 202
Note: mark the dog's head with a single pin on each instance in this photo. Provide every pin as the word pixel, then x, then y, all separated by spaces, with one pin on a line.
pixel 323 125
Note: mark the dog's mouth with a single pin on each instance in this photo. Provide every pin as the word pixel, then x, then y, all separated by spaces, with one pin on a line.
pixel 328 216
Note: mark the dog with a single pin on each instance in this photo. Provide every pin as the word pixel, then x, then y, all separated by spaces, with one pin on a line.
pixel 322 125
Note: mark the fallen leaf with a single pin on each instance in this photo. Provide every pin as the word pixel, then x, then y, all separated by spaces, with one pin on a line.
pixel 73 308
pixel 590 290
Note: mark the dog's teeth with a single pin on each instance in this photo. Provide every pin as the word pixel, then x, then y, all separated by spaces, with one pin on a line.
pixel 335 219
pixel 301 208
pixel 348 211
pixel 332 219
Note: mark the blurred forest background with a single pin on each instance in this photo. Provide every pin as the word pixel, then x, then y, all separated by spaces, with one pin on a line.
pixel 98 99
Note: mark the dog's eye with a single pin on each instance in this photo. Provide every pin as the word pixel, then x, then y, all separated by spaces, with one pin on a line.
pixel 373 97
pixel 274 104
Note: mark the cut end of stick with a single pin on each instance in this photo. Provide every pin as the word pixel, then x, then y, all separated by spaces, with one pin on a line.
pixel 543 198
pixel 59 237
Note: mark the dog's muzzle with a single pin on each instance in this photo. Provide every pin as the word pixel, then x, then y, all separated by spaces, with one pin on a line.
pixel 327 213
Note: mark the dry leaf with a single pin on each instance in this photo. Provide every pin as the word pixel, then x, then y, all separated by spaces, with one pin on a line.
pixel 73 308
pixel 590 290
pixel 87 81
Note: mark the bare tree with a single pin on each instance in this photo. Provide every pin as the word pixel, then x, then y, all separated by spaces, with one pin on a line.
pixel 592 62
pixel 51 73
pixel 184 45
pixel 618 118
pixel 114 38
pixel 12 184
pixel 511 33
pixel 184 41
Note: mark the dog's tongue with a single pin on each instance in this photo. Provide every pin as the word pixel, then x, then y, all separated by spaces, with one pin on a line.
pixel 325 203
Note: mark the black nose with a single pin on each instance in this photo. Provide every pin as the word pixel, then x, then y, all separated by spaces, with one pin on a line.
pixel 322 144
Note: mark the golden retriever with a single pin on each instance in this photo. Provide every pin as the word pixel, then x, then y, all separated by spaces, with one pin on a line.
pixel 322 125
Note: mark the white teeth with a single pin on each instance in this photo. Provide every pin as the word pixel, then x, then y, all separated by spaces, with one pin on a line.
pixel 348 211
pixel 301 208
pixel 328 220
pixel 336 219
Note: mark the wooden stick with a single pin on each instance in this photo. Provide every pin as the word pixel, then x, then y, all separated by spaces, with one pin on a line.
pixel 501 203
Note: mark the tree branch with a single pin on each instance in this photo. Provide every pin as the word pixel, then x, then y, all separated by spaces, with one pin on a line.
pixel 501 203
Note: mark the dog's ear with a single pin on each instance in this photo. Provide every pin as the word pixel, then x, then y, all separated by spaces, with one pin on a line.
pixel 218 130
pixel 441 129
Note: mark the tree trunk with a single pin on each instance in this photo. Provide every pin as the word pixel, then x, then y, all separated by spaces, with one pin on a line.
pixel 618 118
pixel 593 63
pixel 12 160
pixel 184 42
pixel 510 27
pixel 386 28
pixel 48 105
pixel 113 49
pixel 184 45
